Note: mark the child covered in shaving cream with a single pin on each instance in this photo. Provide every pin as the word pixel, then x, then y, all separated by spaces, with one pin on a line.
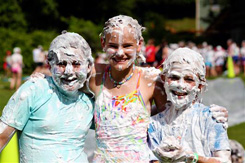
pixel 51 116
pixel 124 94
pixel 186 131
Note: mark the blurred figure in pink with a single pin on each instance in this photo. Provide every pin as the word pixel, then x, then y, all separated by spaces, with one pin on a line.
pixel 242 51
pixel 16 68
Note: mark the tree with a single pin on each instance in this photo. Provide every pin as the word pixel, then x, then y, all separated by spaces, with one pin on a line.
pixel 11 15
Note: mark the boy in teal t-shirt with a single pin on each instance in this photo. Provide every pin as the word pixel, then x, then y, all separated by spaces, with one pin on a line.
pixel 51 116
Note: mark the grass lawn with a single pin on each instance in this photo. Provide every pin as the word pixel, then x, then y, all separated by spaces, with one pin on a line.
pixel 5 94
pixel 236 132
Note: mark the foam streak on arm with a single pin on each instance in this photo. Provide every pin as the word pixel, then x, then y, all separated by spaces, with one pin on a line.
pixel 6 133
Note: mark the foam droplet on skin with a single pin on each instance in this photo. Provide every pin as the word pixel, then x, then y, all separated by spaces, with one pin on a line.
pixel 151 73
pixel 3 126
pixel 120 67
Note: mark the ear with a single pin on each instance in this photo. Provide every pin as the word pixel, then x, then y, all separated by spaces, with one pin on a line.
pixel 102 41
pixel 200 86
pixel 90 65
pixel 162 77
pixel 139 46
pixel 49 66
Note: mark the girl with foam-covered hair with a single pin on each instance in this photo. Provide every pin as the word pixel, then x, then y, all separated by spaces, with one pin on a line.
pixel 124 94
pixel 52 115
pixel 186 130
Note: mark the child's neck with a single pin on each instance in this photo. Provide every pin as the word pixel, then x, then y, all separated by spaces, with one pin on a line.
pixel 119 76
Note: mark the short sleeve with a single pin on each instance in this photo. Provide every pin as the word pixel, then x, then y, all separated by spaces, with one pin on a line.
pixel 217 135
pixel 18 109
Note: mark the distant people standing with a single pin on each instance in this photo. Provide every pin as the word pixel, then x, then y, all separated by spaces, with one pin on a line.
pixel 150 52
pixel 38 58
pixel 16 68
pixel 219 59
pixel 209 61
pixel 6 64
pixel 242 52
pixel 162 52
pixel 233 51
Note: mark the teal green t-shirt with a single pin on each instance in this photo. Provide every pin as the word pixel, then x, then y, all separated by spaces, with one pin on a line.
pixel 52 127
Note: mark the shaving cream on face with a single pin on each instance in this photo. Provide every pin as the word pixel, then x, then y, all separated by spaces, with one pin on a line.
pixel 70 56
pixel 121 47
pixel 70 71
pixel 117 25
pixel 182 65
pixel 181 85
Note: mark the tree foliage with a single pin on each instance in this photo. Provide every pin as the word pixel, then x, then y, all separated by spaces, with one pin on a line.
pixel 28 23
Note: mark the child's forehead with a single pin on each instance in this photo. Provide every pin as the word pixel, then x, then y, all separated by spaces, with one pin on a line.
pixel 184 68
pixel 70 54
pixel 125 34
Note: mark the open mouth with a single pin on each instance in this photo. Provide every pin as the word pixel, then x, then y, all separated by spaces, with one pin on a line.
pixel 179 93
pixel 68 81
pixel 118 60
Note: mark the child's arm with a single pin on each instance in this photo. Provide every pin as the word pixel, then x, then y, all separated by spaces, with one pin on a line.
pixel 177 154
pixel 6 133
pixel 219 157
pixel 159 97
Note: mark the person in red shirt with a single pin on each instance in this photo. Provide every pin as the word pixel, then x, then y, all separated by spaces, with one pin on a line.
pixel 150 52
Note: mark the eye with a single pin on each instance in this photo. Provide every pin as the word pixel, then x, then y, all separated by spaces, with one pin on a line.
pixel 189 79
pixel 115 46
pixel 174 77
pixel 62 63
pixel 76 64
pixel 127 45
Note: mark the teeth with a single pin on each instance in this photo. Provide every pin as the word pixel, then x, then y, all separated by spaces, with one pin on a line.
pixel 179 94
pixel 70 78
pixel 120 60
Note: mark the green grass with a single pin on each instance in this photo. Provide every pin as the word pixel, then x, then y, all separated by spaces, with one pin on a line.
pixel 5 94
pixel 236 132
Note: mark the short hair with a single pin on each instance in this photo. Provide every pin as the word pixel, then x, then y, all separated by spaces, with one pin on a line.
pixel 66 40
pixel 123 20
pixel 17 50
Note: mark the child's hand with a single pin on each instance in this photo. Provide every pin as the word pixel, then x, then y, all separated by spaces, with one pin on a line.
pixel 170 151
pixel 36 76
pixel 220 114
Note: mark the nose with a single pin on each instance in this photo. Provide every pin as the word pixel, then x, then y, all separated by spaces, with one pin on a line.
pixel 68 69
pixel 119 52
pixel 181 84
